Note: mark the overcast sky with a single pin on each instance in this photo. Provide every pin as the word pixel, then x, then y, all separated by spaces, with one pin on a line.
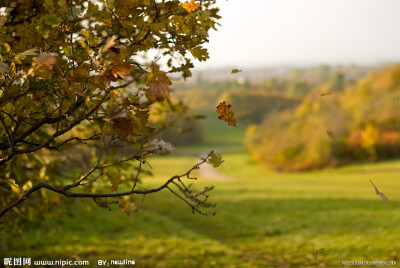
pixel 256 33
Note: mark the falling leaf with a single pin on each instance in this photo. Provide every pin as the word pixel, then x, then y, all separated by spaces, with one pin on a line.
pixel 384 198
pixel 318 251
pixel 330 134
pixel 226 113
pixel 158 83
pixel 3 68
pixel 235 71
pixel 190 6
pixel 215 159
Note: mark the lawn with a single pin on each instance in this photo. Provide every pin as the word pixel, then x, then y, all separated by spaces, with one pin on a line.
pixel 264 218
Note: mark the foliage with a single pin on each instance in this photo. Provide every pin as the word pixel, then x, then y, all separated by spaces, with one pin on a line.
pixel 75 74
pixel 359 123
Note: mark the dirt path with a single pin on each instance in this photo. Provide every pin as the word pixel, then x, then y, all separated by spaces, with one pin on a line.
pixel 208 171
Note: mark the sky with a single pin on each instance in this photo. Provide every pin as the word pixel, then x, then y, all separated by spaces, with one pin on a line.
pixel 260 33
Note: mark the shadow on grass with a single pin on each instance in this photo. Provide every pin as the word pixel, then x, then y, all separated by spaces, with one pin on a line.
pixel 248 230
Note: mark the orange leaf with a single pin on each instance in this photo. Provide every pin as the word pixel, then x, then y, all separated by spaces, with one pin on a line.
pixel 190 6
pixel 226 113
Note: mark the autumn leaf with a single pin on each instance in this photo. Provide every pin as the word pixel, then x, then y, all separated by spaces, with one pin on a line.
pixel 215 159
pixel 116 71
pixel 119 71
pixel 235 71
pixel 226 113
pixel 131 125
pixel 158 83
pixel 190 6
pixel 384 198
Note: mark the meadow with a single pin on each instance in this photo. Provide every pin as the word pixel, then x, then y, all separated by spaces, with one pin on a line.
pixel 263 218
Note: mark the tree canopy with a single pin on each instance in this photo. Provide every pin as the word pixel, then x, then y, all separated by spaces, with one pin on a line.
pixel 80 82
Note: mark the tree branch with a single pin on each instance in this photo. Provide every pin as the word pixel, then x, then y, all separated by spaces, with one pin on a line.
pixel 64 191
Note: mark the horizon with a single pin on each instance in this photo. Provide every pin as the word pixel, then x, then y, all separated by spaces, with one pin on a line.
pixel 269 33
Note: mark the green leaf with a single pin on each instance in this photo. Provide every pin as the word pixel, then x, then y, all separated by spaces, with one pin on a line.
pixel 215 159
pixel 52 19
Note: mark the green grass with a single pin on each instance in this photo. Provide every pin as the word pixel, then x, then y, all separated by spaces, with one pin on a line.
pixel 264 218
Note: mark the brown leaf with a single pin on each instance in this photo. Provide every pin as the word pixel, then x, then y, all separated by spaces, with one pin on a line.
pixel 226 113
pixel 158 83
pixel 384 198
pixel 117 71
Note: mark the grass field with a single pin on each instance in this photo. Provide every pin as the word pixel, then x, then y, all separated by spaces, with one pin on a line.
pixel 264 218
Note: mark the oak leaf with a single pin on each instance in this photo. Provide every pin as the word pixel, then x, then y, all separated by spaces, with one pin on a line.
pixel 158 83
pixel 116 71
pixel 190 6
pixel 226 113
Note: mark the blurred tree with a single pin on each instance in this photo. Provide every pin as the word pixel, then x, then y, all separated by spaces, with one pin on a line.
pixel 77 86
